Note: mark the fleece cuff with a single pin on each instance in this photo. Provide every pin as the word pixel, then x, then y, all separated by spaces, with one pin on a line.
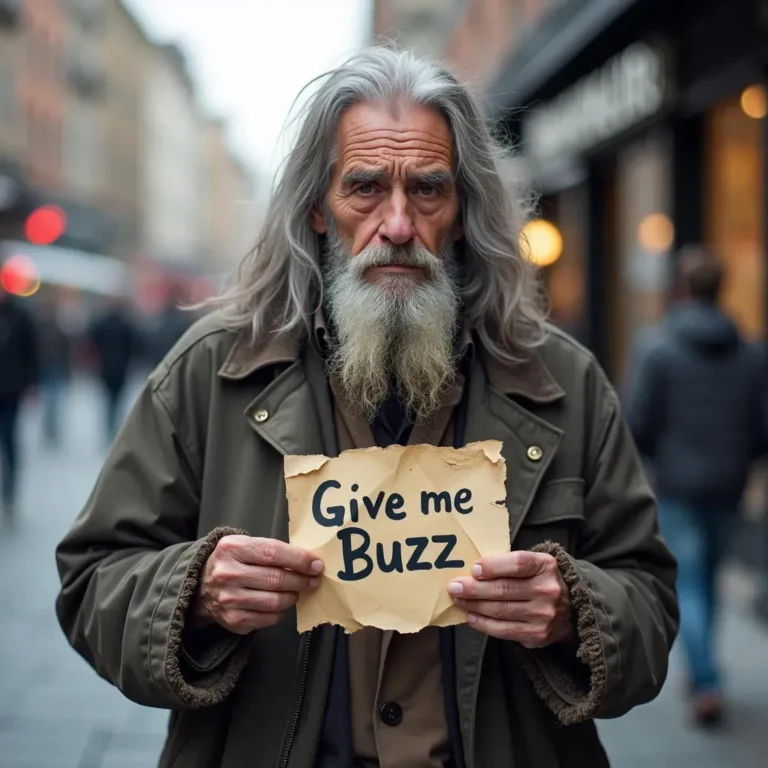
pixel 571 684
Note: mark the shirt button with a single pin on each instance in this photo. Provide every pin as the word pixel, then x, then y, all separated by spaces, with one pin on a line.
pixel 260 416
pixel 391 713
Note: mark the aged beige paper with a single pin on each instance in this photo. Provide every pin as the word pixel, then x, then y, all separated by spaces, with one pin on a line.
pixel 394 526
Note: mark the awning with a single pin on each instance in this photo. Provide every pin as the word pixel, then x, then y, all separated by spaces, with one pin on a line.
pixel 549 50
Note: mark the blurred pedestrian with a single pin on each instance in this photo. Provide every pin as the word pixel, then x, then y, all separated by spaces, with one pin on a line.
pixel 55 366
pixel 18 375
pixel 168 327
pixel 114 335
pixel 697 411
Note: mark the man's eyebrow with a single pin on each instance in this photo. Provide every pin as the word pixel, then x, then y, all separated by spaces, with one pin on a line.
pixel 363 176
pixel 432 177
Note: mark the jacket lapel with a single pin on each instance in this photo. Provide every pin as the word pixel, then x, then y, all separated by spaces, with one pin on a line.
pixel 530 443
pixel 293 413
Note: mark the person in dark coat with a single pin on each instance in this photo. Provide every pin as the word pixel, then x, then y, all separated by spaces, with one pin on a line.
pixel 55 368
pixel 18 374
pixel 697 410
pixel 115 337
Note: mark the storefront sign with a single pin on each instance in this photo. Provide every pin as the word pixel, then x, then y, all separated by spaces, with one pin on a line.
pixel 630 88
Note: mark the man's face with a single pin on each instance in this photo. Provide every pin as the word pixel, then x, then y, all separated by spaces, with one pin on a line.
pixel 392 184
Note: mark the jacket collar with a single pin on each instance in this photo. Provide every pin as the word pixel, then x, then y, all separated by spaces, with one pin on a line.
pixel 529 378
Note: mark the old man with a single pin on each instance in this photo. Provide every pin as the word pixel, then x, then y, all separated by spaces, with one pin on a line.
pixel 387 302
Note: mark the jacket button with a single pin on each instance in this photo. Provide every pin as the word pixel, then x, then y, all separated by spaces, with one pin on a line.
pixel 260 416
pixel 391 713
pixel 535 453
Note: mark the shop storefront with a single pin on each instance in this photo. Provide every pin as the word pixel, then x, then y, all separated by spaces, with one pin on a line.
pixel 643 124
pixel 734 204
pixel 645 127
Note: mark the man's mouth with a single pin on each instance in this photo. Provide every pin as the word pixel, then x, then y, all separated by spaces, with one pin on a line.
pixel 397 269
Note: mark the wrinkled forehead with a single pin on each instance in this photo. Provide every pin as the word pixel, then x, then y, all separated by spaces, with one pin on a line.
pixel 393 138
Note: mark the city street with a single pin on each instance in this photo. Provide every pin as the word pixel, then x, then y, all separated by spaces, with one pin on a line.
pixel 56 713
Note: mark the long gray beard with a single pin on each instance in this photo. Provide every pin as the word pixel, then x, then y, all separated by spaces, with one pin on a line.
pixel 396 331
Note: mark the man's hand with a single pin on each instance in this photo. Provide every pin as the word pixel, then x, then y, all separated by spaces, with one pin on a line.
pixel 248 583
pixel 517 596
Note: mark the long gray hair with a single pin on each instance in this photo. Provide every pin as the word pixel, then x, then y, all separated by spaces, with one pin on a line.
pixel 280 280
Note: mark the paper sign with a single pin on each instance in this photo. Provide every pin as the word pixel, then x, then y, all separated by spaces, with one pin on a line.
pixel 394 526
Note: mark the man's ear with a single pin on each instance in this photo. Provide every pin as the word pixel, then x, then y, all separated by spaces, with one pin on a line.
pixel 317 220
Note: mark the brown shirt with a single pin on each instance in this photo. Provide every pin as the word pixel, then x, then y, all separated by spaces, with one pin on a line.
pixel 398 714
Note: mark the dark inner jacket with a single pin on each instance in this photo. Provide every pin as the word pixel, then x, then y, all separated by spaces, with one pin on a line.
pixel 391 426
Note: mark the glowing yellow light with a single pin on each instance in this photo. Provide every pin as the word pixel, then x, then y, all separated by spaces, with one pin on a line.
pixel 541 242
pixel 754 102
pixel 656 233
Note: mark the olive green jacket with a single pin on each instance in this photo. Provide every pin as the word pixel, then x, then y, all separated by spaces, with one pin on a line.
pixel 200 456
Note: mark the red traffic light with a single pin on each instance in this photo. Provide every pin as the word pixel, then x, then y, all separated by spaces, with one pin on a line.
pixel 45 225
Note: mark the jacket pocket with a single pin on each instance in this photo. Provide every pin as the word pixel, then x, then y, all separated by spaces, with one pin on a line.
pixel 556 514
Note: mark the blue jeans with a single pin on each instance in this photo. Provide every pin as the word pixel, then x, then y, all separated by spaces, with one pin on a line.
pixel 52 389
pixel 697 534
pixel 9 453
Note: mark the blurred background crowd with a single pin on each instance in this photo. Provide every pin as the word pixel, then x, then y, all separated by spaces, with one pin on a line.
pixel 124 193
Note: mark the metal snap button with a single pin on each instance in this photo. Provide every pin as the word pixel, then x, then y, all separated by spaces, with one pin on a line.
pixel 260 416
pixel 535 453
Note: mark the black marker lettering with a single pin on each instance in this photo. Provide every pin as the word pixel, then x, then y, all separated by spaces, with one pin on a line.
pixel 373 507
pixel 349 554
pixel 419 544
pixel 442 561
pixel 396 563
pixel 437 499
pixel 334 516
pixel 464 496
pixel 395 502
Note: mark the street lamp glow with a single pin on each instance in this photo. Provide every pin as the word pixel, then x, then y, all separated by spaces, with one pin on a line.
pixel 541 242
pixel 656 233
pixel 754 102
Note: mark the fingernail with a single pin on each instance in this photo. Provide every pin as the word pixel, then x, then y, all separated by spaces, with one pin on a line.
pixel 317 566
pixel 471 618
pixel 455 588
pixel 477 570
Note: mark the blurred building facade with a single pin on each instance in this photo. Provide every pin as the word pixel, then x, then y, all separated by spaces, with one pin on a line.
pixel 418 25
pixel 90 225
pixel 128 54
pixel 643 124
pixel 11 136
pixel 105 125
pixel 173 162
pixel 228 226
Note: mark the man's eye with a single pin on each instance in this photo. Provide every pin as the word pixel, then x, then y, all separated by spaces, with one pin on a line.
pixel 366 189
pixel 427 190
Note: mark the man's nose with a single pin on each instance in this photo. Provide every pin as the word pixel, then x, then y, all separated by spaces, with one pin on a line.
pixel 397 226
